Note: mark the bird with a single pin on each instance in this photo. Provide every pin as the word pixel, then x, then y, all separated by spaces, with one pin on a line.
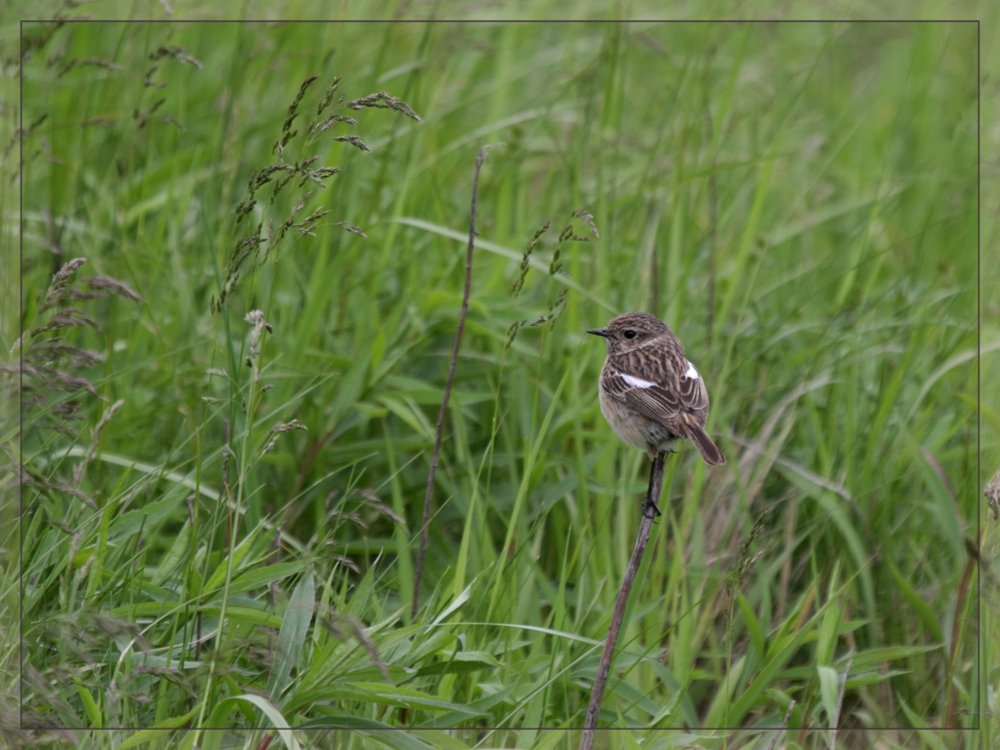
pixel 650 393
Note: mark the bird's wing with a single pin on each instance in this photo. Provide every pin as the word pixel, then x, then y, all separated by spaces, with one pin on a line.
pixel 669 400
pixel 644 396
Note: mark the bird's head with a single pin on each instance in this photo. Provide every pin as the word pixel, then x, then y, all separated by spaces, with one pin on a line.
pixel 631 330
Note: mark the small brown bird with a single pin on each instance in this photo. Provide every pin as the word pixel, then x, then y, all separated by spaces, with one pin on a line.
pixel 650 392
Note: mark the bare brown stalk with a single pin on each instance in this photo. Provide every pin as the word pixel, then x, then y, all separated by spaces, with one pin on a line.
pixel 784 723
pixel 642 539
pixel 429 493
pixel 963 592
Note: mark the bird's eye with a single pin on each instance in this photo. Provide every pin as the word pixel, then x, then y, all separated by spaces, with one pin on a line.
pixel 630 334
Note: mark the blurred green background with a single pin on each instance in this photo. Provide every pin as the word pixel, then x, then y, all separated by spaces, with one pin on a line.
pixel 798 201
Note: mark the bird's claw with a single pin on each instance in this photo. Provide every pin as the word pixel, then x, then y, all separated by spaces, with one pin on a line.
pixel 650 509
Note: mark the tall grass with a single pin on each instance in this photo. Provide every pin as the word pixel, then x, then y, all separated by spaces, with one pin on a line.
pixel 234 546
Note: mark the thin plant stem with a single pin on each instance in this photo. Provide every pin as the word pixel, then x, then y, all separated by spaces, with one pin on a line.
pixel 963 592
pixel 784 723
pixel 232 525
pixel 429 493
pixel 649 513
pixel 224 486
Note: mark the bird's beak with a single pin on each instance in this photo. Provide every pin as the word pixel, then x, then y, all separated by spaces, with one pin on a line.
pixel 599 332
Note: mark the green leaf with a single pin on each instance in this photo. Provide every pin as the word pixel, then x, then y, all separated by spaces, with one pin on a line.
pixel 532 720
pixel 129 523
pixel 634 697
pixel 385 734
pixel 219 574
pixel 889 653
pixel 480 706
pixel 409 413
pixel 242 613
pixel 458 602
pixel 221 713
pixel 292 636
pixel 254 578
pixel 392 695
pixel 156 731
pixel 236 612
pixel 522 492
pixel 871 678
pixel 929 739
pixel 90 706
pixel 753 626
pixel 460 663
pixel 826 642
pixel 925 612
pixel 174 555
pixel 829 689
pixel 782 651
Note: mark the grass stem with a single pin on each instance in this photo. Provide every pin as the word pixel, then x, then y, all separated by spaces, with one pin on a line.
pixel 649 513
pixel 429 493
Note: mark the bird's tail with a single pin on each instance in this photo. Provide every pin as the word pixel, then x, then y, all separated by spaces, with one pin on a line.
pixel 708 450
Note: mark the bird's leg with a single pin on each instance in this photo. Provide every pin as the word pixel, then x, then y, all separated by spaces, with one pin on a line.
pixel 650 509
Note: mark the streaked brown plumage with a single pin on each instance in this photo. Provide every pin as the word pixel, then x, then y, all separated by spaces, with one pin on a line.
pixel 650 392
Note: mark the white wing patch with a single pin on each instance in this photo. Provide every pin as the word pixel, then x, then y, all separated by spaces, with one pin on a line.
pixel 691 372
pixel 635 382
